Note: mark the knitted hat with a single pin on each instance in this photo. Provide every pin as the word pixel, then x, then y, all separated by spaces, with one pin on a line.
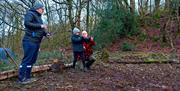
pixel 75 30
pixel 38 5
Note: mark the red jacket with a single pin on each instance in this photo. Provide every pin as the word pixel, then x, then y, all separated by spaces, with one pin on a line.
pixel 88 51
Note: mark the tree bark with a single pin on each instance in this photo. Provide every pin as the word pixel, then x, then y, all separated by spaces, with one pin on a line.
pixel 132 6
pixel 87 17
pixel 157 4
pixel 167 4
pixel 150 6
pixel 79 14
pixel 69 2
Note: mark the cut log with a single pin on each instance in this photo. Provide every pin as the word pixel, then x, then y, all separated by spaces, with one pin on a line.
pixel 8 74
pixel 14 73
pixel 41 68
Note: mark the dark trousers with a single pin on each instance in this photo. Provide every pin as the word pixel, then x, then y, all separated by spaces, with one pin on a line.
pixel 89 61
pixel 77 56
pixel 30 56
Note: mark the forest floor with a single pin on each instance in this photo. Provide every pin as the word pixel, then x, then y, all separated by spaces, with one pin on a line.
pixel 109 76
pixel 113 75
pixel 105 77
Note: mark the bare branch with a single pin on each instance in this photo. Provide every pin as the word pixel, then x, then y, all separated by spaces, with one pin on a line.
pixel 11 7
pixel 3 21
pixel 25 3
pixel 60 2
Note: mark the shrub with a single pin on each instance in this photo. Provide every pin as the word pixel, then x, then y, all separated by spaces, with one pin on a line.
pixel 155 38
pixel 142 37
pixel 113 21
pixel 50 54
pixel 127 46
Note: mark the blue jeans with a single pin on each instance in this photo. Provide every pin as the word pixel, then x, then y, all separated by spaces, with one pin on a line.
pixel 30 56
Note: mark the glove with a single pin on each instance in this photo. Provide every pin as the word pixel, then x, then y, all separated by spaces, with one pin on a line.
pixel 48 34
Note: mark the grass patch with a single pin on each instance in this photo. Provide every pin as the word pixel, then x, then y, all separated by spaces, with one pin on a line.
pixel 140 57
pixel 6 66
pixel 178 33
pixel 155 38
pixel 44 57
pixel 127 46
pixel 142 37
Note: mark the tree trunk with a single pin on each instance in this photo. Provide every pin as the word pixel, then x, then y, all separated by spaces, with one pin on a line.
pixel 47 8
pixel 70 13
pixel 146 2
pixel 87 17
pixel 59 12
pixel 150 6
pixel 132 5
pixel 157 4
pixel 140 7
pixel 66 17
pixel 79 14
pixel 167 4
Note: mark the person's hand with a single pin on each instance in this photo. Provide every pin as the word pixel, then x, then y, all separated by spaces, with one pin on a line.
pixel 48 35
pixel 91 38
pixel 44 26
pixel 84 47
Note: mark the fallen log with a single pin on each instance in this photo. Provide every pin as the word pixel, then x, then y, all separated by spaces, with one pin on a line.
pixel 8 74
pixel 41 68
pixel 14 73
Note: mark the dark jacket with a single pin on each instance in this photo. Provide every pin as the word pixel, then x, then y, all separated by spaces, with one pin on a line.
pixel 77 42
pixel 33 30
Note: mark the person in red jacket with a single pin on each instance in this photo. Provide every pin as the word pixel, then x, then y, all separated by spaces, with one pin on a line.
pixel 88 51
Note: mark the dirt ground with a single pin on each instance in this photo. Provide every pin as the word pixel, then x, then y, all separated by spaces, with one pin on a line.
pixel 106 76
pixel 111 76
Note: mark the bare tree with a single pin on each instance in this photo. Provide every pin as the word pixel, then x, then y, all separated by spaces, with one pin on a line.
pixel 87 16
pixel 167 4
pixel 69 3
pixel 157 4
pixel 132 4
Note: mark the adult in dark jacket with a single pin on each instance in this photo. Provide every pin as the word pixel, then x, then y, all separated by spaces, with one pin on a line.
pixel 78 50
pixel 34 32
